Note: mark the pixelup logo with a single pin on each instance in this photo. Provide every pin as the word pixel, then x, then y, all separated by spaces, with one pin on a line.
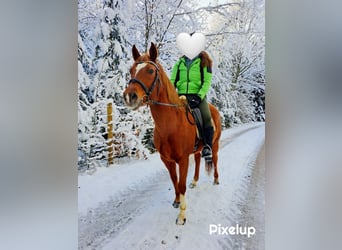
pixel 232 230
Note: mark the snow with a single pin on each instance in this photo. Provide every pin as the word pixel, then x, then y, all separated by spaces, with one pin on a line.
pixel 128 206
pixel 107 182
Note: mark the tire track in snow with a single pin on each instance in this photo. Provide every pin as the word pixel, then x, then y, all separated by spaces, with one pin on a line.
pixel 239 187
pixel 229 139
pixel 248 202
pixel 252 204
pixel 109 218
pixel 149 203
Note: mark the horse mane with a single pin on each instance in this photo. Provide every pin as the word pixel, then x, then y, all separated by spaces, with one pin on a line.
pixel 206 60
pixel 170 89
pixel 172 94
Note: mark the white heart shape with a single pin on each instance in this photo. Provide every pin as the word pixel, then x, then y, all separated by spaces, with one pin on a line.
pixel 190 46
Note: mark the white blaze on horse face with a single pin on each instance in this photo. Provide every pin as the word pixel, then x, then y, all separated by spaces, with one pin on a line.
pixel 127 98
pixel 139 67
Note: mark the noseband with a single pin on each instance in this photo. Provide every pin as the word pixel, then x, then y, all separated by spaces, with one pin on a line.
pixel 148 91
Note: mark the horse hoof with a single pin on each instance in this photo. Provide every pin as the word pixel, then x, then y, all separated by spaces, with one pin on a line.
pixel 180 222
pixel 216 182
pixel 176 204
pixel 192 185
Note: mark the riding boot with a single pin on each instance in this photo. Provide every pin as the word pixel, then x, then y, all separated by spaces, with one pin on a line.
pixel 208 135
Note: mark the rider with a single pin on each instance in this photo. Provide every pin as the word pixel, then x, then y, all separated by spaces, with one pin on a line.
pixel 190 81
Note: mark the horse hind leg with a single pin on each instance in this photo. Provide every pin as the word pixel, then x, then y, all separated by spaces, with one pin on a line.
pixel 197 157
pixel 214 162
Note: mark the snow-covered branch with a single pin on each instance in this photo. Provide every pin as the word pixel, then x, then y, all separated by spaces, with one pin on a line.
pixel 216 8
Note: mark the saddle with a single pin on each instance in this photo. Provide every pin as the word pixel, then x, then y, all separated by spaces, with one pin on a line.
pixel 196 114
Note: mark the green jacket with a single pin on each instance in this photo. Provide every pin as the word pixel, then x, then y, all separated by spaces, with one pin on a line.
pixel 190 77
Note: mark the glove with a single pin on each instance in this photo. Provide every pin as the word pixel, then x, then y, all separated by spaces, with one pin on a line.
pixel 195 101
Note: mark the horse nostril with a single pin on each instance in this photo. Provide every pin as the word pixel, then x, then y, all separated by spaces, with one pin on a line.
pixel 133 96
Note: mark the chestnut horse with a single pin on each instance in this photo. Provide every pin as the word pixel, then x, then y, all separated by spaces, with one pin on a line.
pixel 174 131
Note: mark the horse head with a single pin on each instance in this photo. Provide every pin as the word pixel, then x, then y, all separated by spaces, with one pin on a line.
pixel 144 77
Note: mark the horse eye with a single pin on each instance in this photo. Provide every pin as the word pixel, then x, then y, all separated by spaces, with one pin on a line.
pixel 150 71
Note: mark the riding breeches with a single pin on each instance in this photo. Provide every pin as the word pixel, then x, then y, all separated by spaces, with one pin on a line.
pixel 205 111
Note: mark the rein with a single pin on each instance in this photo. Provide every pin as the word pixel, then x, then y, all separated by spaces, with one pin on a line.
pixel 148 91
pixel 152 102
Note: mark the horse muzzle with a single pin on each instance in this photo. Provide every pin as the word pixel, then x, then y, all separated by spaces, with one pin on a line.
pixel 132 100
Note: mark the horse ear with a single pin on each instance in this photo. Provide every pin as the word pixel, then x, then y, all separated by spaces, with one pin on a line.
pixel 153 52
pixel 135 53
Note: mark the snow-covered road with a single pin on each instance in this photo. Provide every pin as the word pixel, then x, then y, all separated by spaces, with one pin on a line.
pixel 129 206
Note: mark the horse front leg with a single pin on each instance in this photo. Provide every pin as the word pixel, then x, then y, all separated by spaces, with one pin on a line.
pixel 171 167
pixel 197 157
pixel 183 172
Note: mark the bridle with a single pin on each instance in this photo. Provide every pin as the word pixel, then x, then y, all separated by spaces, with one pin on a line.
pixel 148 91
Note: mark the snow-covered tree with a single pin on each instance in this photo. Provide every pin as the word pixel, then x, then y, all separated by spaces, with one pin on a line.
pixel 89 139
pixel 102 78
pixel 109 28
pixel 238 48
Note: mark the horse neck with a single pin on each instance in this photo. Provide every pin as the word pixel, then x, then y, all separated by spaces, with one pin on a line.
pixel 164 115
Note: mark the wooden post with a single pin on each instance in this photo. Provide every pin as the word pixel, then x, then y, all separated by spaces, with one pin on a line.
pixel 110 133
